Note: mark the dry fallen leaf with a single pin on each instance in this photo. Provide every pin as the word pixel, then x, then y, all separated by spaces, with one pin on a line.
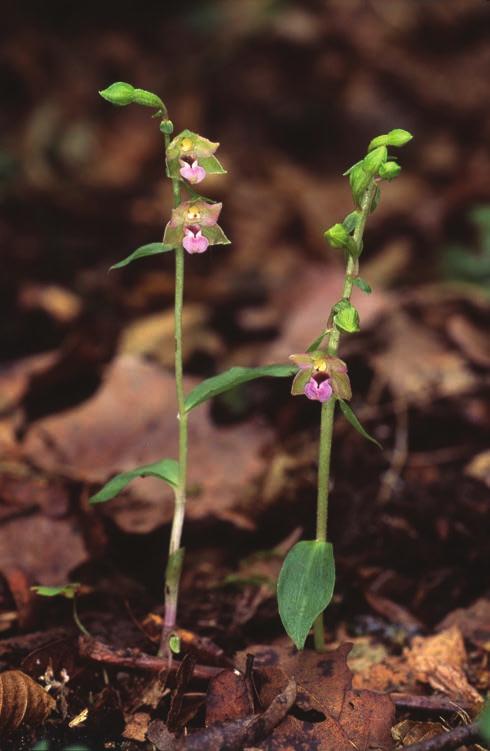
pixel 22 700
pixel 479 467
pixel 440 661
pixel 416 365
pixel 229 697
pixel 473 622
pixel 131 421
pixel 409 731
pixel 347 718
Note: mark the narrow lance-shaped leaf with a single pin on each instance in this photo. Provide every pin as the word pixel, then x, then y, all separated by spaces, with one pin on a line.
pixel 349 415
pixel 165 469
pixel 234 377
pixel 305 587
pixel 152 249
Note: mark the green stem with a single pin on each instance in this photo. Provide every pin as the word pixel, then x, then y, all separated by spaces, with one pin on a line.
pixel 328 408
pixel 77 620
pixel 176 553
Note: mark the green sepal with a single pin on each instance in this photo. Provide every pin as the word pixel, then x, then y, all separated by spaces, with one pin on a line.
pixel 396 137
pixel 212 165
pixel 231 378
pixel 373 161
pixel 305 587
pixel 351 417
pixel 340 383
pixel 300 380
pixel 347 319
pixel 348 171
pixel 64 590
pixel 215 235
pixel 389 170
pixel 152 249
pixel 362 284
pixel 165 469
pixel 359 181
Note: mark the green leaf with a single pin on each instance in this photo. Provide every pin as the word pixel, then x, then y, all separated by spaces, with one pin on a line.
pixel 305 587
pixel 316 343
pixel 234 377
pixel 65 590
pixel 152 249
pixel 352 418
pixel 165 469
pixel 362 284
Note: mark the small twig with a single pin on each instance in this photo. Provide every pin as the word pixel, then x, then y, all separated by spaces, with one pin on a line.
pixel 428 703
pixel 448 741
pixel 133 658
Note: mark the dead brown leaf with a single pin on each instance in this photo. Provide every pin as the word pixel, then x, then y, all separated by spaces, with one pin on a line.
pixel 131 421
pixel 473 622
pixel 410 731
pixel 228 698
pixel 440 661
pixel 417 366
pixel 347 717
pixel 479 467
pixel 22 700
pixel 137 726
pixel 47 549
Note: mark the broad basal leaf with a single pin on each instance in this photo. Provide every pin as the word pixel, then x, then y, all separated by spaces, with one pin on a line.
pixel 234 377
pixel 351 417
pixel 305 587
pixel 166 469
pixel 152 249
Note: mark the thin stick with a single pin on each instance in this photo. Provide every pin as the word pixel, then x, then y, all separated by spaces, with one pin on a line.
pixel 461 736
pixel 328 408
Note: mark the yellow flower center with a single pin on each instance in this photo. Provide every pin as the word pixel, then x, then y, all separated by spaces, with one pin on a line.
pixel 319 363
pixel 186 144
pixel 193 214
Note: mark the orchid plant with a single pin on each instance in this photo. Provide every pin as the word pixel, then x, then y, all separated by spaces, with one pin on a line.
pixel 193 227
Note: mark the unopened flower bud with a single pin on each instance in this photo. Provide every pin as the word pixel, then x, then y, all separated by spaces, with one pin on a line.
pixel 396 137
pixel 119 93
pixel 337 236
pixel 167 127
pixel 373 161
pixel 389 170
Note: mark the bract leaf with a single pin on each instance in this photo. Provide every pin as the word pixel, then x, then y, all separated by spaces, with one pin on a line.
pixel 165 469
pixel 351 417
pixel 152 249
pixel 362 284
pixel 233 377
pixel 305 587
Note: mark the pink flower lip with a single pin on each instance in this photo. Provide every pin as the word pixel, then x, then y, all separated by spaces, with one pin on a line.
pixel 192 171
pixel 194 241
pixel 318 388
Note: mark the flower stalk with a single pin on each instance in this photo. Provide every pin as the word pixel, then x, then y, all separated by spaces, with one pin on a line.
pixel 328 408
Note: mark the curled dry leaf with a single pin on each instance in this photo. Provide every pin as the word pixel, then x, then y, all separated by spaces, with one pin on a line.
pixel 440 661
pixel 22 701
pixel 473 622
pixel 229 697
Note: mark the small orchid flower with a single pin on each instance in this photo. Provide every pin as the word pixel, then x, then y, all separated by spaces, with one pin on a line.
pixel 194 241
pixel 320 376
pixel 319 388
pixel 192 171
pixel 194 224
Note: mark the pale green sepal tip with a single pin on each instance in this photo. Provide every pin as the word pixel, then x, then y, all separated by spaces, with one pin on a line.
pixel 389 170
